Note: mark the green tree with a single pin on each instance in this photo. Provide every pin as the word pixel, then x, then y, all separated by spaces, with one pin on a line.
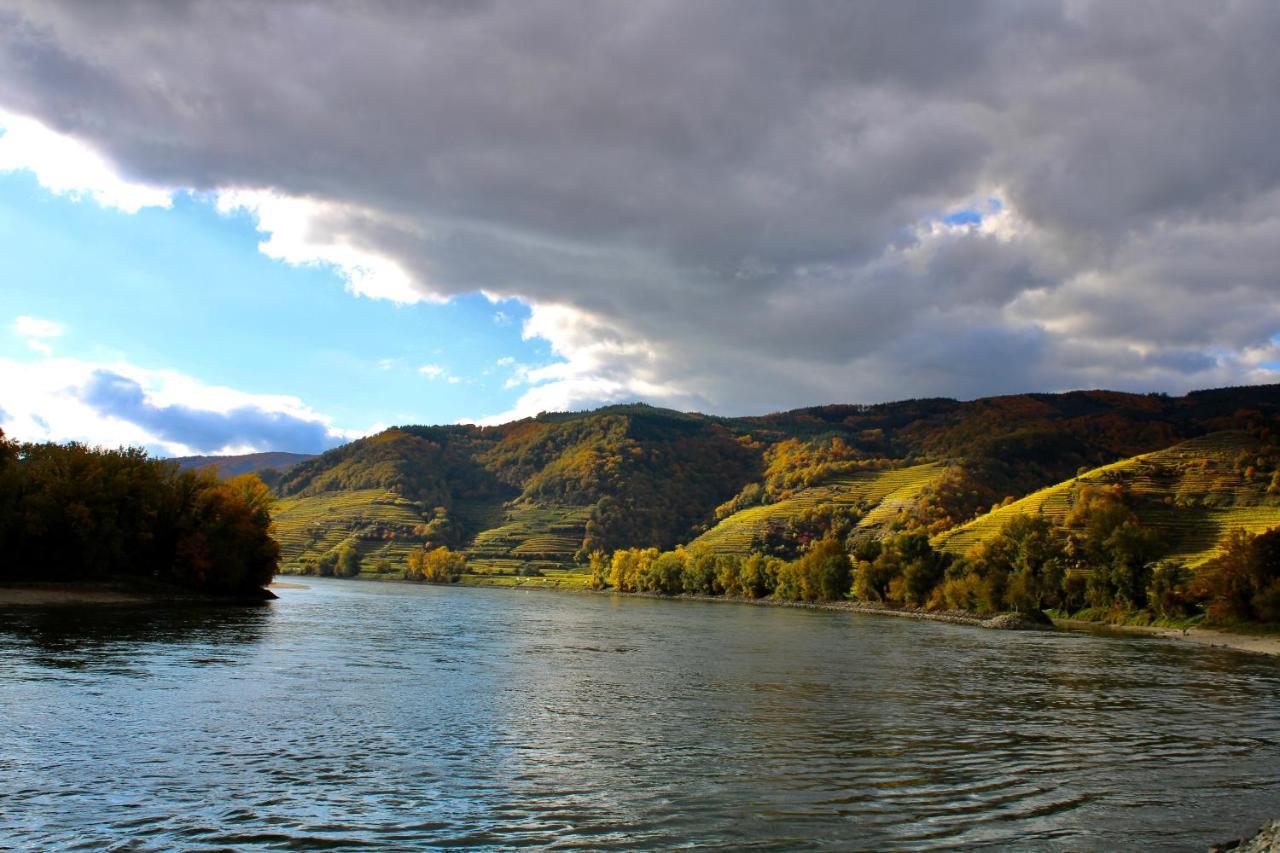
pixel 348 565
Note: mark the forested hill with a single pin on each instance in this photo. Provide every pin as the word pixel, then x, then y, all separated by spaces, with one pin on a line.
pixel 554 488
pixel 268 465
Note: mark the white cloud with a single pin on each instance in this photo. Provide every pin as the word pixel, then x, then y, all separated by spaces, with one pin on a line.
pixel 597 367
pixel 66 166
pixel 35 327
pixel 505 361
pixel 36 332
pixel 304 231
pixel 170 413
pixel 433 371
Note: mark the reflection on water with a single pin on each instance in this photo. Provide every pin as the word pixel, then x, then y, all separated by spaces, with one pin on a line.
pixel 397 717
pixel 110 637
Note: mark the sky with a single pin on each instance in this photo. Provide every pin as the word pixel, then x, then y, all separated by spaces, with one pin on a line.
pixel 239 226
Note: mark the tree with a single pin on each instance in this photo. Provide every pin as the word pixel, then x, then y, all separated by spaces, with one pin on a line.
pixel 599 569
pixel 1243 581
pixel 821 574
pixel 699 576
pixel 1022 566
pixel 758 575
pixel 435 566
pixel 666 573
pixel 903 568
pixel 348 565
pixel 70 513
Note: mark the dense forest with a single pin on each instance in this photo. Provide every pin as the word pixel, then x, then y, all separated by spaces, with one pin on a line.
pixel 73 513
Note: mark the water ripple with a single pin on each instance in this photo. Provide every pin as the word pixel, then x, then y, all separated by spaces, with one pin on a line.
pixel 353 716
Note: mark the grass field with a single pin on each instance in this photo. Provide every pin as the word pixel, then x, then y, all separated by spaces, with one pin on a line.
pixel 1190 492
pixel 885 492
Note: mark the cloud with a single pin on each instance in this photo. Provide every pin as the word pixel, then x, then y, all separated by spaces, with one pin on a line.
pixel 433 371
pixel 66 166
pixel 115 396
pixel 34 327
pixel 37 332
pixel 305 231
pixel 733 208
pixel 120 404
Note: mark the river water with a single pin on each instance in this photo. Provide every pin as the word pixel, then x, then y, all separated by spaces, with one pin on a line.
pixel 396 717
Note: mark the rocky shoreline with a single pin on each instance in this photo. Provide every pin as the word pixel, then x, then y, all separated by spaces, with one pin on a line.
pixel 1266 841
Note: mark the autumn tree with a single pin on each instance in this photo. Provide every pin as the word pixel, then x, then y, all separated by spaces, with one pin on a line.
pixel 439 565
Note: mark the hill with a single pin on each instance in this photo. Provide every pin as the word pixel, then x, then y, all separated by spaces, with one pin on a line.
pixel 1191 493
pixel 541 493
pixel 876 497
pixel 249 463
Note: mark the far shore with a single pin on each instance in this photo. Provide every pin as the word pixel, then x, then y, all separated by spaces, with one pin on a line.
pixel 1264 644
pixel 119 593
pixel 130 593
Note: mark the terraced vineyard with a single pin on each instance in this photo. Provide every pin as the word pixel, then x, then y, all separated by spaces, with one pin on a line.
pixel 533 531
pixel 1191 492
pixel 886 492
pixel 377 523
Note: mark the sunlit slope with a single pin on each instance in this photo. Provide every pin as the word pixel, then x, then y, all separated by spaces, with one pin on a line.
pixel 1192 492
pixel 380 526
pixel 377 523
pixel 526 531
pixel 885 492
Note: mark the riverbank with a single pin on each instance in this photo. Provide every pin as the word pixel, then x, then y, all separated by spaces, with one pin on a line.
pixel 1262 644
pixel 1004 622
pixel 130 592
pixel 1266 644
pixel 1266 841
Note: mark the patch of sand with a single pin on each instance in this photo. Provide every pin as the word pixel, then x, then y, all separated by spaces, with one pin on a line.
pixel 1261 644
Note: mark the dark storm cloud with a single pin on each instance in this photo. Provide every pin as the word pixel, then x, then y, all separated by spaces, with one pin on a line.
pixel 739 199
pixel 204 431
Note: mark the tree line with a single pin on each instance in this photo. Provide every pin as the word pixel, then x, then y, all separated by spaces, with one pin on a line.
pixel 1105 564
pixel 75 513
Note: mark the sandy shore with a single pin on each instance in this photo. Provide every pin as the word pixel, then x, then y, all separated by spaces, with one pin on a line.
pixel 1261 644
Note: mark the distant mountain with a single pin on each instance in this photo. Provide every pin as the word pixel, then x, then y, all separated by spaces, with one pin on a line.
pixel 545 491
pixel 230 466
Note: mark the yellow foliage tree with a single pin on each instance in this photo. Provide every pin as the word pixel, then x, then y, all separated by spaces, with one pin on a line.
pixel 436 566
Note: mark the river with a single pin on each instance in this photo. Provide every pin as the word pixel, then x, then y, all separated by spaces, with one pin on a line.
pixel 354 715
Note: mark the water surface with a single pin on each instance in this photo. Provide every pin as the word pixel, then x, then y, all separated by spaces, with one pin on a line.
pixel 396 717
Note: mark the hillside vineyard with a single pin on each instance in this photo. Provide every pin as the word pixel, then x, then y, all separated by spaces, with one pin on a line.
pixel 529 502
